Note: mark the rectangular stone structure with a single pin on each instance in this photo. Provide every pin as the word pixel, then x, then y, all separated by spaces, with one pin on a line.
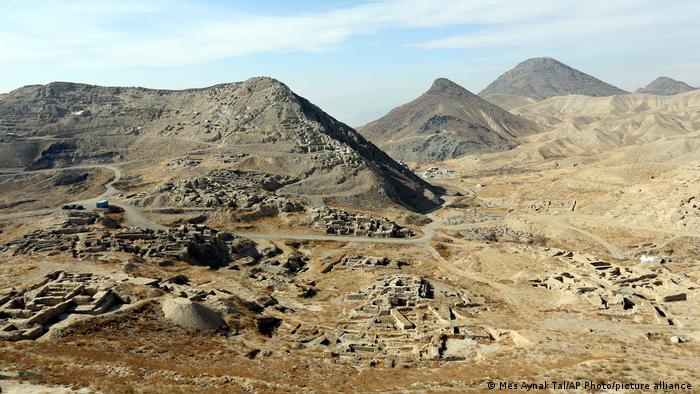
pixel 401 321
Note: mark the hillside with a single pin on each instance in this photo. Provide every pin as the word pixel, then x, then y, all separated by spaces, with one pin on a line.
pixel 585 125
pixel 541 78
pixel 445 122
pixel 665 86
pixel 260 120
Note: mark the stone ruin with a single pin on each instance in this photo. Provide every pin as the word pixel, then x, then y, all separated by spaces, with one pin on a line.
pixel 339 222
pixel 435 173
pixel 324 150
pixel 553 207
pixel 246 191
pixel 195 244
pixel 184 162
pixel 26 314
pixel 30 312
pixel 356 262
pixel 497 234
pixel 403 318
pixel 622 291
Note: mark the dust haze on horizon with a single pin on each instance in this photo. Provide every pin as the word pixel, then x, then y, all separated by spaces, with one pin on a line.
pixel 355 59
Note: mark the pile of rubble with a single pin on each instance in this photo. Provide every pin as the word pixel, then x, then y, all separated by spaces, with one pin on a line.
pixel 327 152
pixel 553 207
pixel 435 173
pixel 27 313
pixel 339 222
pixel 475 216
pixel 276 270
pixel 195 244
pixel 497 234
pixel 184 162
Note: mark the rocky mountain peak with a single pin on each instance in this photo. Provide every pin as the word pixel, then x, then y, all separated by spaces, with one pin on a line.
pixel 445 122
pixel 540 63
pixel 541 78
pixel 665 86
pixel 445 86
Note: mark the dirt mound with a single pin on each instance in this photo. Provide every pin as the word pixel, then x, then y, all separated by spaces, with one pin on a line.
pixel 190 314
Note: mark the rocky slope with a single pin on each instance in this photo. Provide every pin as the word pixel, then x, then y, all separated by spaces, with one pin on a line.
pixel 445 122
pixel 665 86
pixel 541 78
pixel 260 119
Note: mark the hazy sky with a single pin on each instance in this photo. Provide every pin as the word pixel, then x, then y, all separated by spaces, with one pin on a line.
pixel 355 59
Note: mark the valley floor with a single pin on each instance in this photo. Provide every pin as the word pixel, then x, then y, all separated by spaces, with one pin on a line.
pixel 580 269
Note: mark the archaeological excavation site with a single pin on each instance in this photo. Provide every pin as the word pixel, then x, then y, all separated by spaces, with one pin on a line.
pixel 542 235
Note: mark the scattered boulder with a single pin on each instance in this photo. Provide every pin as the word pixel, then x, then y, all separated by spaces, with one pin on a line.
pixel 672 297
pixel 678 339
pixel 178 280
pixel 109 222
pixel 129 265
pixel 267 325
pixel 296 263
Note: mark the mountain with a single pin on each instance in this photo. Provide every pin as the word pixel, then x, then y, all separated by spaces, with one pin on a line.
pixel 665 86
pixel 259 122
pixel 445 122
pixel 541 78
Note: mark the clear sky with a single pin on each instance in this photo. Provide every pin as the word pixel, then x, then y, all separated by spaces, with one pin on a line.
pixel 355 59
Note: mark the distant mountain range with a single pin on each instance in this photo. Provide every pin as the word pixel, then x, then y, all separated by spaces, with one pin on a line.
pixel 445 122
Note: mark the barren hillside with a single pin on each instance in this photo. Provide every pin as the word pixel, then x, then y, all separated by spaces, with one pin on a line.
pixel 665 86
pixel 541 78
pixel 582 124
pixel 445 122
pixel 261 117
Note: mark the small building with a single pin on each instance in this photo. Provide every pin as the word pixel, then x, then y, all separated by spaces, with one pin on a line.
pixel 102 204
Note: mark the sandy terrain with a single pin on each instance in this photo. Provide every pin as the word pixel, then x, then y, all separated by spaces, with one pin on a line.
pixel 541 265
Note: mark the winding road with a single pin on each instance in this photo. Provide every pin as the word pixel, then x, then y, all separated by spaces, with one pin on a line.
pixel 133 215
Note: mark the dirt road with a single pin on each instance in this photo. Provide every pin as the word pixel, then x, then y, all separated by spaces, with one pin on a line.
pixel 134 216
